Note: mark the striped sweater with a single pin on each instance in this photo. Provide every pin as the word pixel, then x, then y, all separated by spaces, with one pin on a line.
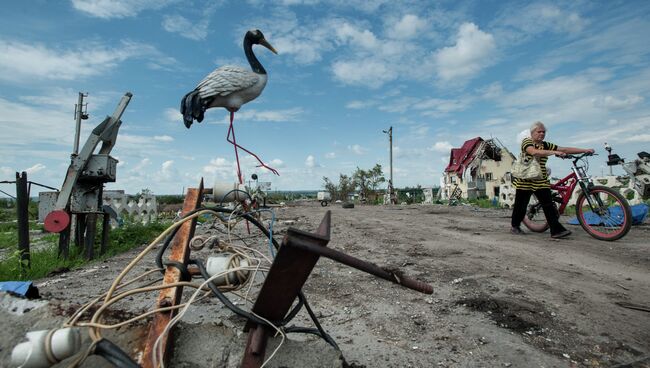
pixel 538 183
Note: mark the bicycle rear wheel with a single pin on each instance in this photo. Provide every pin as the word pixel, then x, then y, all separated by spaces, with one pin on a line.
pixel 608 216
pixel 535 220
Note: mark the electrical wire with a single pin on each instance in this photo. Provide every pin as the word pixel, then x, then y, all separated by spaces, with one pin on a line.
pixel 255 265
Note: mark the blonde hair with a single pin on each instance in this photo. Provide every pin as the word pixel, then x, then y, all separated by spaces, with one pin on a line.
pixel 536 125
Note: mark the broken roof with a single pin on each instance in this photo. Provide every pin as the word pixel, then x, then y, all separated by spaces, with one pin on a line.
pixel 461 157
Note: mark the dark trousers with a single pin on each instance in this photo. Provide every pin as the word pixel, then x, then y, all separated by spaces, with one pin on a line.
pixel 522 197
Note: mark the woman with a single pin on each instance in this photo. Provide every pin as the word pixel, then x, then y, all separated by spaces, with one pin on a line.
pixel 535 146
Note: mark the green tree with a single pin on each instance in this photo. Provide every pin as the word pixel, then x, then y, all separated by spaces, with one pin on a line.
pixel 342 190
pixel 368 180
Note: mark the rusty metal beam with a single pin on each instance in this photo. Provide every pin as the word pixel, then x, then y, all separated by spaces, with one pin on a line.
pixel 180 252
pixel 395 276
pixel 289 271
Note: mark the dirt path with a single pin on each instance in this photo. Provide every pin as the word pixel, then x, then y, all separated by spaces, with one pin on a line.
pixel 499 300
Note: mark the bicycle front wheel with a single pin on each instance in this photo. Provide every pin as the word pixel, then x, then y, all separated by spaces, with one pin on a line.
pixel 604 213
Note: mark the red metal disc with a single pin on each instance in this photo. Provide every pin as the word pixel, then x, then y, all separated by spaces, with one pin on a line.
pixel 57 221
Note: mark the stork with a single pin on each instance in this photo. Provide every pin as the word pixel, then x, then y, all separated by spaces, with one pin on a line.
pixel 230 87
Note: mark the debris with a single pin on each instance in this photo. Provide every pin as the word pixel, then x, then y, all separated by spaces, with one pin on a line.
pixel 633 306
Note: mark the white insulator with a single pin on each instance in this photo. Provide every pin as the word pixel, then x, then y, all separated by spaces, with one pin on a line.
pixel 229 192
pixel 33 353
pixel 222 263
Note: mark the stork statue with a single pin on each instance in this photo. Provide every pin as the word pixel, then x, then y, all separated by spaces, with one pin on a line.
pixel 230 87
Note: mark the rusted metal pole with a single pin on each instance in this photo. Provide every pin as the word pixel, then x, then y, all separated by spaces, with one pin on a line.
pixel 371 268
pixel 22 212
pixel 289 271
pixel 180 253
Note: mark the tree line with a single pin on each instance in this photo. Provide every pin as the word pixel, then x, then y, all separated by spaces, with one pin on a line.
pixel 366 182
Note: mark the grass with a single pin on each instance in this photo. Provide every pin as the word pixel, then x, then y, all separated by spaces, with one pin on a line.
pixel 44 261
pixel 485 203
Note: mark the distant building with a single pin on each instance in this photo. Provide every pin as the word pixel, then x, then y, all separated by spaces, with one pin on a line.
pixel 477 169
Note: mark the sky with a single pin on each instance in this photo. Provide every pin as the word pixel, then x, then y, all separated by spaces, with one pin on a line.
pixel 437 72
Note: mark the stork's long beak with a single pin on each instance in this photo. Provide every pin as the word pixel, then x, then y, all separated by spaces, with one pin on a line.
pixel 266 44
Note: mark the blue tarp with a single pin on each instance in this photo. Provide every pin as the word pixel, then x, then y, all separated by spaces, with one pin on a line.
pixel 20 288
pixel 639 213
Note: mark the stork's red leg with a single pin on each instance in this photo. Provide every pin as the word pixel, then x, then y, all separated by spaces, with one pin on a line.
pixel 234 143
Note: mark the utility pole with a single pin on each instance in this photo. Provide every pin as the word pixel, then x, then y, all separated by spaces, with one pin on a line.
pixel 80 113
pixel 391 189
pixel 22 213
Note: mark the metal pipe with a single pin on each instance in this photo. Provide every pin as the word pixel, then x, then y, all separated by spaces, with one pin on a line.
pixel 22 212
pixel 371 268
pixel 390 139
pixel 78 111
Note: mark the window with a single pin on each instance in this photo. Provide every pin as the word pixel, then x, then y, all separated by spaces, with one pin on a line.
pixel 488 177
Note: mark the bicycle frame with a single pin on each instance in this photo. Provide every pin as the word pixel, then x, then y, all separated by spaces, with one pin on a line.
pixel 567 185
pixel 565 188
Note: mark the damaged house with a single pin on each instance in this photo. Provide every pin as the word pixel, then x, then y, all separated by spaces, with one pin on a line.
pixel 477 169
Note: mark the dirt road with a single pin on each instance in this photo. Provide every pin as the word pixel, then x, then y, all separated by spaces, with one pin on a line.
pixel 499 300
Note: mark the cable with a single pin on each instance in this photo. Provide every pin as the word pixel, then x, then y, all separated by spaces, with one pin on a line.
pixel 234 191
pixel 111 352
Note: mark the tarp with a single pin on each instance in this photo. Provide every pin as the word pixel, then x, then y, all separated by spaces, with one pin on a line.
pixel 20 288
pixel 639 213
pixel 461 157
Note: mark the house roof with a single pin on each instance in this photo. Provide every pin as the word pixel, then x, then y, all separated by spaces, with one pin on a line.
pixel 461 157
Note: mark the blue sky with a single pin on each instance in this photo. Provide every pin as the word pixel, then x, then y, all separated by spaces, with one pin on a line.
pixel 438 72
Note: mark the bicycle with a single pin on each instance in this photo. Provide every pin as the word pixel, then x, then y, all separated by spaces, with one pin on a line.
pixel 601 211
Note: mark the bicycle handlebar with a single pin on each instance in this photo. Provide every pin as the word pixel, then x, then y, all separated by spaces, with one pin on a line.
pixel 577 156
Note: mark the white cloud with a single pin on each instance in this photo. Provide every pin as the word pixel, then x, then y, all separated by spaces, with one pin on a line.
pixel 163 138
pixel 167 165
pixel 645 138
pixel 523 134
pixel 347 33
pixel 538 18
pixel 167 171
pixel 357 104
pixel 221 167
pixel 310 162
pixel 189 29
pixel 357 149
pixel 473 51
pixel 31 61
pixel 107 9
pixel 330 155
pixel 23 124
pixel 142 165
pixel 369 73
pixel 407 27
pixel 618 103
pixel 293 114
pixel 443 147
